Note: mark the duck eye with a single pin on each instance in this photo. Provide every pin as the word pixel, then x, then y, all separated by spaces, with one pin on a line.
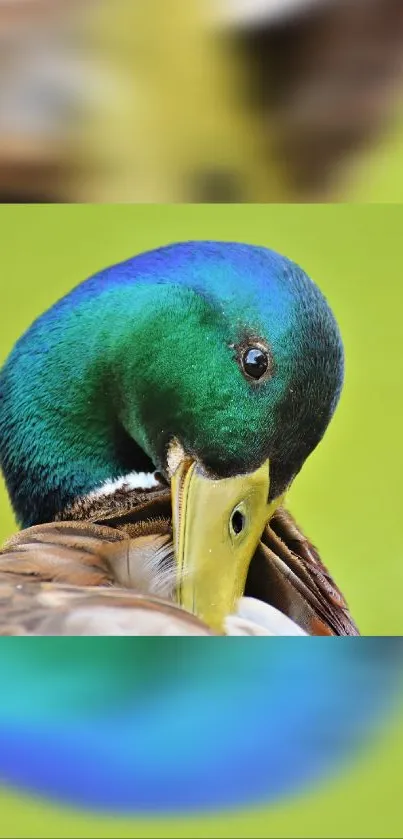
pixel 237 522
pixel 255 362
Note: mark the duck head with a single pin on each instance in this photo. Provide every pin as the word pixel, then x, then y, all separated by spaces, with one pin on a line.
pixel 217 364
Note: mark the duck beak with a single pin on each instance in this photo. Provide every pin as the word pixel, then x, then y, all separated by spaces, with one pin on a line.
pixel 217 525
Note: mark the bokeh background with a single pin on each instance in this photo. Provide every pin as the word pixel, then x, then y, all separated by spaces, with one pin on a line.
pixel 274 737
pixel 347 498
pixel 201 100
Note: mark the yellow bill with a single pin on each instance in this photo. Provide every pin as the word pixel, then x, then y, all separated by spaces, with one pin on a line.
pixel 217 525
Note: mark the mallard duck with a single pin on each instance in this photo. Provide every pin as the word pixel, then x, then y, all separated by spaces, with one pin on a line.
pixel 151 423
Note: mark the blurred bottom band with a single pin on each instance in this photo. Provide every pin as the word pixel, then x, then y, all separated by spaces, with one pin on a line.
pixel 137 726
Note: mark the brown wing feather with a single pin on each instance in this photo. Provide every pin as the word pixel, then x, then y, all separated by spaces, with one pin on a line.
pixel 132 510
pixel 33 608
pixel 76 553
pixel 60 579
pixel 288 573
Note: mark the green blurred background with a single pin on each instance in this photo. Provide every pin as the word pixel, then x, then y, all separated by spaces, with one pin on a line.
pixel 347 497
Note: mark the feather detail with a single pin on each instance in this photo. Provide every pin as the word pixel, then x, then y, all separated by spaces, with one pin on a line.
pixel 32 608
pixel 287 572
pixel 125 539
pixel 254 617
pixel 87 554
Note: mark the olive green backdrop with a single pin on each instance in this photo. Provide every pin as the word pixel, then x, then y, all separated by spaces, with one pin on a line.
pixel 347 497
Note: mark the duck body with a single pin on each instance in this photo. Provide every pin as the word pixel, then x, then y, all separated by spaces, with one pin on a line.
pixel 115 552
pixel 206 370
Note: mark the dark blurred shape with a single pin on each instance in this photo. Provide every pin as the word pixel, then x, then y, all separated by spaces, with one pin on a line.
pixel 328 77
pixel 173 727
pixel 40 81
pixel 220 101
pixel 30 181
pixel 216 187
